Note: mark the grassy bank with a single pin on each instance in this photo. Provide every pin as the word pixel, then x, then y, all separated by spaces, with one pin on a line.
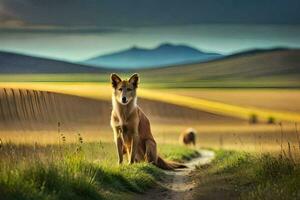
pixel 239 175
pixel 75 171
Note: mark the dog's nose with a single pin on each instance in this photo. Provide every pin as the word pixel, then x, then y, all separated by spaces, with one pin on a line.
pixel 124 99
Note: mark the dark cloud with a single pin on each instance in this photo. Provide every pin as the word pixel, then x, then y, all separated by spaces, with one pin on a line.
pixel 19 27
pixel 110 13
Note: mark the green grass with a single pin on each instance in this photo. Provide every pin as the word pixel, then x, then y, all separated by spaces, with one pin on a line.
pixel 177 153
pixel 75 171
pixel 163 81
pixel 253 176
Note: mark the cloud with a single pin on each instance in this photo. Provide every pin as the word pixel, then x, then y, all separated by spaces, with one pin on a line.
pixel 132 13
pixel 7 18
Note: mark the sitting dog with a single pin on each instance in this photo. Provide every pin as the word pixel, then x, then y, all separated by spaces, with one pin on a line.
pixel 131 127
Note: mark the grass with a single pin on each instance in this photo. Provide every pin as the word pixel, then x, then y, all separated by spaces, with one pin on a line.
pixel 244 175
pixel 75 171
pixel 165 80
pixel 177 153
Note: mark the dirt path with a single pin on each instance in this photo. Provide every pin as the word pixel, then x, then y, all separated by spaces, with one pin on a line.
pixel 178 184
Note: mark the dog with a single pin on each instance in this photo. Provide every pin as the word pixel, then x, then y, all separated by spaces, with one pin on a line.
pixel 188 137
pixel 131 127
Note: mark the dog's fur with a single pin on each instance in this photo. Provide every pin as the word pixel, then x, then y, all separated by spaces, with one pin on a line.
pixel 131 127
pixel 188 137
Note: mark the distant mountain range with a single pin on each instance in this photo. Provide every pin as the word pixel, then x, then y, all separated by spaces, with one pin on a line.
pixel 163 55
pixel 280 63
pixel 18 63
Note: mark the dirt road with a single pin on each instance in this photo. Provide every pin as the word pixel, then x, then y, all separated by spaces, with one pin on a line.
pixel 178 184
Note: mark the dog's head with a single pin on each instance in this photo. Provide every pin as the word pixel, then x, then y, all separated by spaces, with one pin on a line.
pixel 124 91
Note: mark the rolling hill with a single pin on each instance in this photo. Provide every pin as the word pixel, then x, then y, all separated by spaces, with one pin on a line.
pixel 277 65
pixel 163 55
pixel 256 68
pixel 13 63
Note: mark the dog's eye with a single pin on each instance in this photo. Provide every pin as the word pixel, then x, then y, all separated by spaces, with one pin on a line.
pixel 120 89
pixel 129 89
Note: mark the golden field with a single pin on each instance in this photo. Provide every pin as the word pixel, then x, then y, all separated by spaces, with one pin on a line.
pixel 272 99
pixel 103 92
pixel 220 116
pixel 58 134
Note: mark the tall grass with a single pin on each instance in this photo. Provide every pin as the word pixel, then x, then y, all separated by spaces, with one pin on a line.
pixel 243 175
pixel 260 175
pixel 75 171
pixel 253 175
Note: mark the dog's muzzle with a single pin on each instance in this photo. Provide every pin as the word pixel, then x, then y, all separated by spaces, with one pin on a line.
pixel 124 100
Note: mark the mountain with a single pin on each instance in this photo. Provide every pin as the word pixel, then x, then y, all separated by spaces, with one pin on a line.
pixel 274 67
pixel 18 63
pixel 163 55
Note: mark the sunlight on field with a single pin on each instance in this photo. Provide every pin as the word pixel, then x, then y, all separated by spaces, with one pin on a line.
pixel 212 131
pixel 217 107
pixel 259 138
pixel 103 92
pixel 267 98
pixel 89 90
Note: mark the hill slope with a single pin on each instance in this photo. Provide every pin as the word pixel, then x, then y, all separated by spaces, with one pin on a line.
pixel 273 64
pixel 17 63
pixel 163 55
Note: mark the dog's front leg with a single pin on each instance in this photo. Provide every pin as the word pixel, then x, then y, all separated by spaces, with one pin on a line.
pixel 134 146
pixel 120 149
pixel 119 143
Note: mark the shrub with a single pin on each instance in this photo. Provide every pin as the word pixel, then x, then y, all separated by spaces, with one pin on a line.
pixel 271 120
pixel 253 119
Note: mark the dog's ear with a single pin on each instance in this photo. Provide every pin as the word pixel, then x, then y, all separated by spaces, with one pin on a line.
pixel 115 80
pixel 134 79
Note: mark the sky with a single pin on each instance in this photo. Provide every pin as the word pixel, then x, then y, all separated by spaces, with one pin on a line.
pixel 78 29
pixel 145 13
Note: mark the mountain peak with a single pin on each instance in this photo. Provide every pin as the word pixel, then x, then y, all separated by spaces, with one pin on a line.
pixel 134 48
pixel 163 46
pixel 166 45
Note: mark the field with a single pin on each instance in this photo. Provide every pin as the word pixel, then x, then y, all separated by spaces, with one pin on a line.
pixel 273 99
pixel 52 139
pixel 61 130
pixel 39 112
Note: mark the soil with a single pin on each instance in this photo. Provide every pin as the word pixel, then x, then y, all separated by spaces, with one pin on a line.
pixel 178 184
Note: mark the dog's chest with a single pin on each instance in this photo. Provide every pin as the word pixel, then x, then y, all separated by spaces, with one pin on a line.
pixel 126 122
pixel 125 127
pixel 126 133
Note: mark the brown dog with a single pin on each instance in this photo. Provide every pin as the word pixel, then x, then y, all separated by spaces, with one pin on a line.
pixel 188 137
pixel 131 127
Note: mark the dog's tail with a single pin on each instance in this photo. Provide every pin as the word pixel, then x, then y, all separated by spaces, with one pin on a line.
pixel 167 165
